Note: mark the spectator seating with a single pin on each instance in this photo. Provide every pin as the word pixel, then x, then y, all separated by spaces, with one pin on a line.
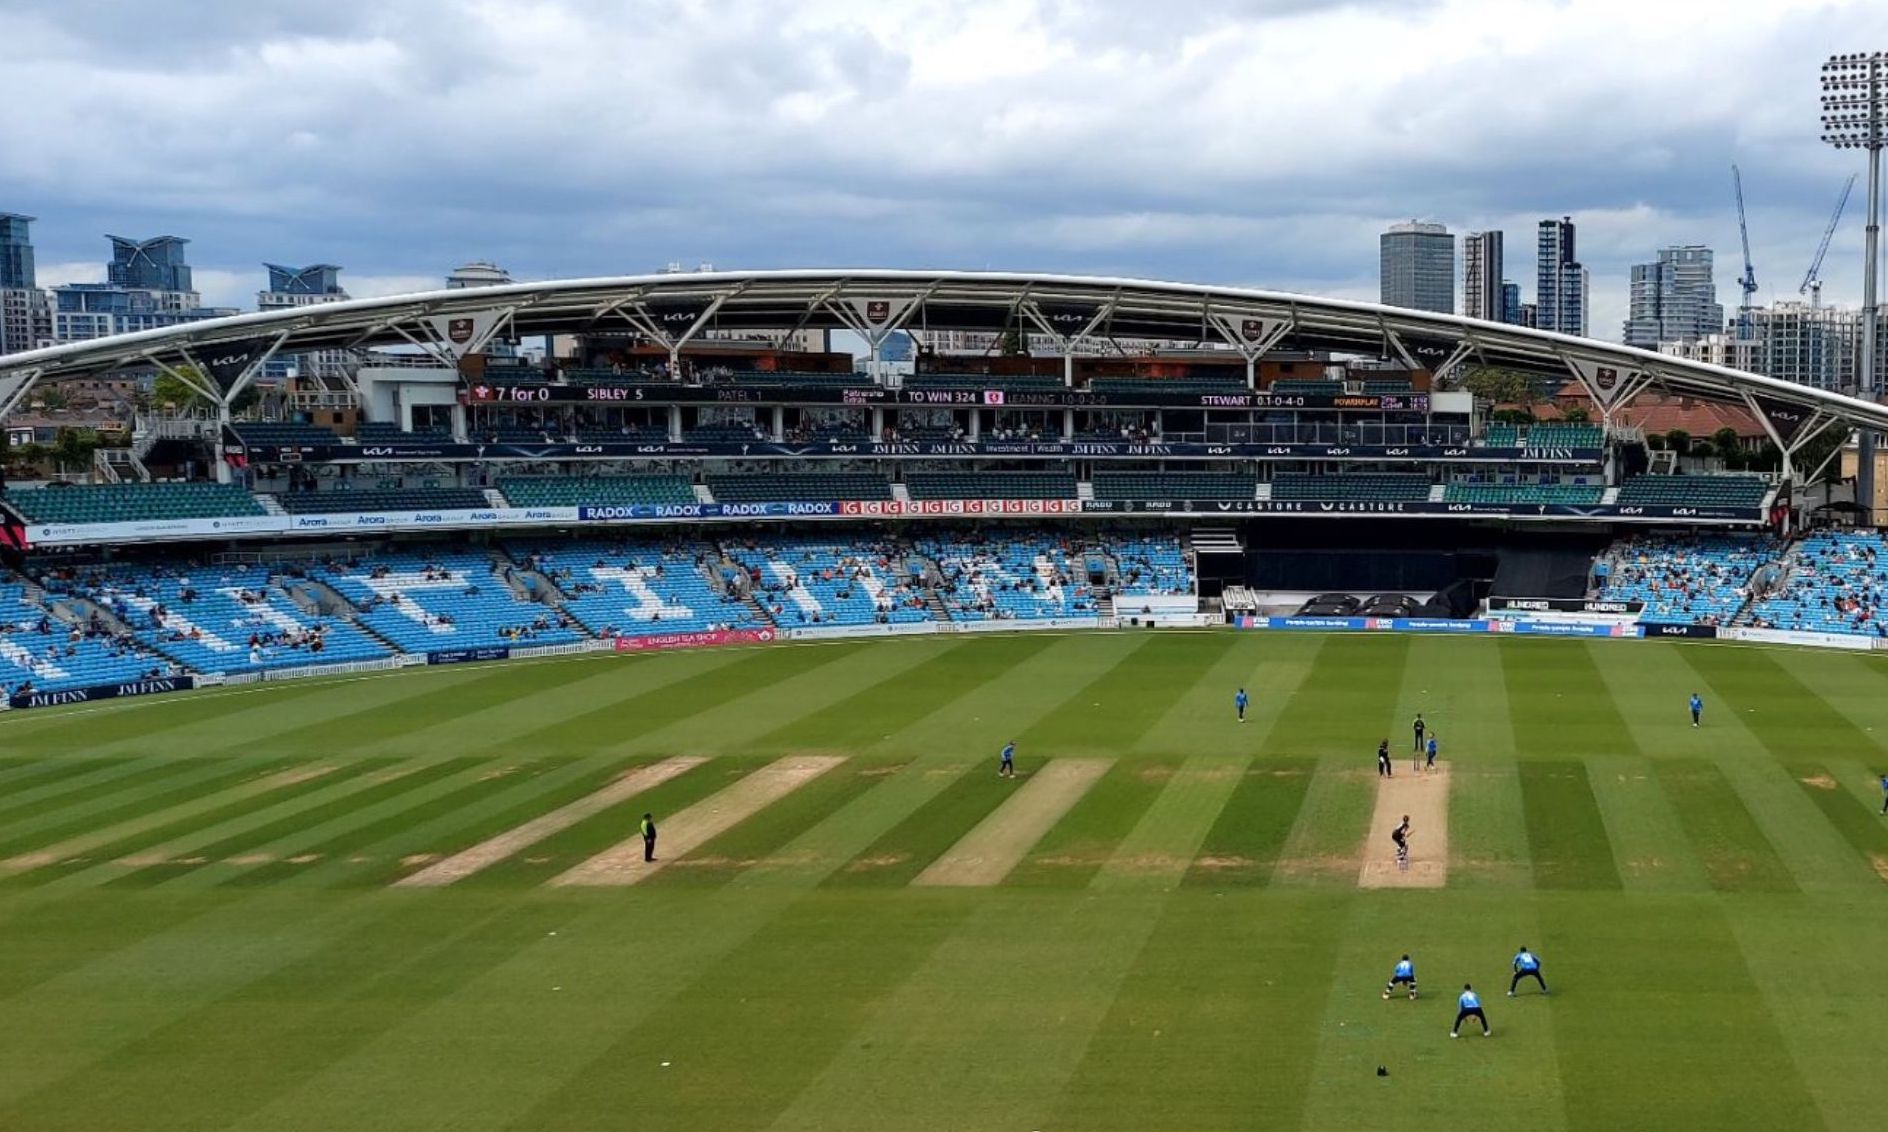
pixel 637 587
pixel 1316 386
pixel 1019 381
pixel 1354 486
pixel 132 502
pixel 1835 584
pixel 1564 434
pixel 1386 387
pixel 724 433
pixel 807 582
pixel 1701 579
pixel 354 500
pixel 990 485
pixel 633 434
pixel 519 434
pixel 1174 485
pixel 1149 565
pixel 381 432
pixel 798 487
pixel 218 618
pixel 577 491
pixel 1573 493
pixel 1001 574
pixel 291 433
pixel 1694 491
pixel 1130 386
pixel 43 654
pixel 441 598
pixel 795 377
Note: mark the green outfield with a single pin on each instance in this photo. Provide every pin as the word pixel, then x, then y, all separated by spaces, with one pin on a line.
pixel 416 900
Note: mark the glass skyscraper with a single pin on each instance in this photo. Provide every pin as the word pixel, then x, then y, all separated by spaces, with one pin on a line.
pixel 1418 267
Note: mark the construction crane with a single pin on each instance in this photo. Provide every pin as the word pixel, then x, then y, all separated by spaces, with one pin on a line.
pixel 1812 282
pixel 1749 281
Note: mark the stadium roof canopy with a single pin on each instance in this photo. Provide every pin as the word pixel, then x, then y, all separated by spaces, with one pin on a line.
pixel 673 309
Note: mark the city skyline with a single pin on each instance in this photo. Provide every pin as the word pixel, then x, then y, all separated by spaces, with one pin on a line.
pixel 976 135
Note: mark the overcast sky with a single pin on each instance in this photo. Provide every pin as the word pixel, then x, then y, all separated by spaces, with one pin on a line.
pixel 1253 142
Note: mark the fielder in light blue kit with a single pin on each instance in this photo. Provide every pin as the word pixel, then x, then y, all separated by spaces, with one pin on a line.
pixel 1527 965
pixel 1239 701
pixel 1404 975
pixel 1007 769
pixel 1468 1005
pixel 1697 709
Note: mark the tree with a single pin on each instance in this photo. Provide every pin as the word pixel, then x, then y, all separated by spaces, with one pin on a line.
pixel 1679 441
pixel 1729 448
pixel 1502 386
pixel 1576 415
pixel 51 397
pixel 1810 456
pixel 172 392
pixel 72 449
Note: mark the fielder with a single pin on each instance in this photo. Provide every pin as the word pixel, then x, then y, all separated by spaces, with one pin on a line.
pixel 1007 768
pixel 1404 976
pixel 1468 1005
pixel 1527 965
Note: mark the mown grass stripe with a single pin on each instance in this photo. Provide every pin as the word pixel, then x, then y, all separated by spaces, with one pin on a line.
pixel 420 839
pixel 1244 844
pixel 570 847
pixel 1705 1051
pixel 1565 834
pixel 1735 854
pixel 224 1059
pixel 161 837
pixel 766 835
pixel 1648 842
pixel 89 782
pixel 1787 716
pixel 352 797
pixel 1075 848
pixel 709 679
pixel 903 851
pixel 1062 962
pixel 339 849
pixel 1559 706
pixel 1211 1036
pixel 1124 702
pixel 157 719
pixel 1865 830
pixel 1347 702
pixel 424 708
pixel 861 719
pixel 97 823
pixel 1814 853
pixel 743 1026
pixel 1323 843
pixel 1488 839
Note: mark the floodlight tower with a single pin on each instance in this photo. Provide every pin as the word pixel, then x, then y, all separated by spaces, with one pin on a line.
pixel 1854 97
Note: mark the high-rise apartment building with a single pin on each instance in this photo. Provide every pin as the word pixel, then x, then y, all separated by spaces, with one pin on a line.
pixel 1482 289
pixel 1560 283
pixel 291 287
pixel 1673 299
pixel 1417 268
pixel 147 287
pixel 1511 303
pixel 25 316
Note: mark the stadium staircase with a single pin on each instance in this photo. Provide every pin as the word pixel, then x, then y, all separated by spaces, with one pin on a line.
pixel 493 498
pixel 270 504
pixel 928 576
pixel 1213 540
pixel 323 600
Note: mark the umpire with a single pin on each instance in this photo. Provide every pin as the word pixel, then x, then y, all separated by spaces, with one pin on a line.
pixel 648 837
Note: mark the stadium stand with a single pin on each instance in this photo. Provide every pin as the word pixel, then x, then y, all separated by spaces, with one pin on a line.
pixel 1149 565
pixel 1128 386
pixel 623 434
pixel 576 491
pixel 226 619
pixel 1701 579
pixel 284 432
pixel 638 587
pixel 1835 583
pixel 1007 575
pixel 349 499
pixel 132 502
pixel 1693 491
pixel 1018 381
pixel 1174 485
pixel 1549 434
pixel 443 599
pixel 798 487
pixel 380 432
pixel 724 432
pixel 793 377
pixel 40 653
pixel 808 581
pixel 1314 386
pixel 1462 491
pixel 1354 486
pixel 990 485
